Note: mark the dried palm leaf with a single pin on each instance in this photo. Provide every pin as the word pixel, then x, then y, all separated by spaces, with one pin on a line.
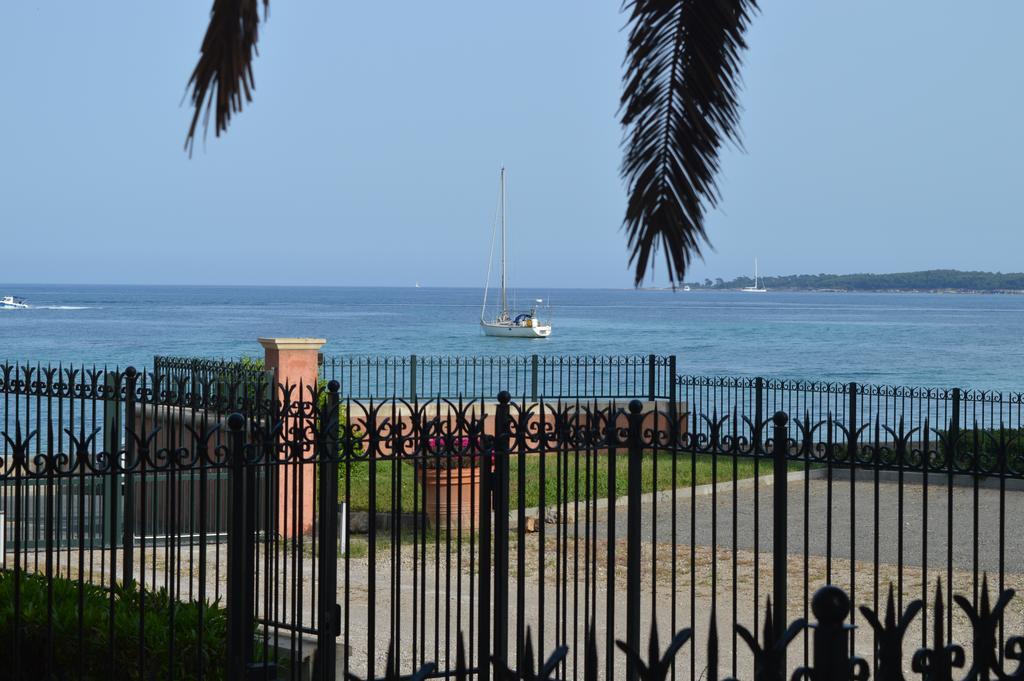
pixel 222 79
pixel 678 105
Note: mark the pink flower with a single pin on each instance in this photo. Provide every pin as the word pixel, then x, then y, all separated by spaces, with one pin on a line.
pixel 439 443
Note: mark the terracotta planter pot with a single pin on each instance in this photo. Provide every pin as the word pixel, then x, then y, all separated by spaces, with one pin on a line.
pixel 455 491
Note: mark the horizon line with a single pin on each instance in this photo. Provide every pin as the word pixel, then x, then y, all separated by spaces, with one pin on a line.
pixel 649 286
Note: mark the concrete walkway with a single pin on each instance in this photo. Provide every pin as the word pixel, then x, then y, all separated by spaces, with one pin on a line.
pixel 853 522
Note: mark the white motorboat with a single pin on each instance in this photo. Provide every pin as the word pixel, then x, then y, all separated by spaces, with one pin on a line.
pixel 507 323
pixel 755 288
pixel 13 303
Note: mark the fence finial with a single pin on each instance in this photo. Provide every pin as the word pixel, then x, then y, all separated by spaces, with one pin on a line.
pixel 830 605
pixel 236 421
pixel 832 659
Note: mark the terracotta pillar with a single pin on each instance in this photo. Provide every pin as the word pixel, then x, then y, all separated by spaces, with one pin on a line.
pixel 294 362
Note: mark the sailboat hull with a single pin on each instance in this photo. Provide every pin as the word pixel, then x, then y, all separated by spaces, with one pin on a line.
pixel 515 330
pixel 507 324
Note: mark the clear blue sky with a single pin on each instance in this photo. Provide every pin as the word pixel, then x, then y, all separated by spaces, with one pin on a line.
pixel 880 136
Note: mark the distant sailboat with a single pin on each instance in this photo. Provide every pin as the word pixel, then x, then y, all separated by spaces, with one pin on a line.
pixel 417 284
pixel 509 324
pixel 755 288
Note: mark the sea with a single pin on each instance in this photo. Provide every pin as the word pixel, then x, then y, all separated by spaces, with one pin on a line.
pixel 926 339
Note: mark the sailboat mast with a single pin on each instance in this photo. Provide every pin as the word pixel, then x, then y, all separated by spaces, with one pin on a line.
pixel 755 272
pixel 504 298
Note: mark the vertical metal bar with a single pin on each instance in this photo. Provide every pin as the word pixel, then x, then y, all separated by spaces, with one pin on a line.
pixel 18 464
pixel 533 378
pixel 48 452
pixel 851 454
pixel 501 499
pixel 1003 447
pixel 521 544
pixel 758 408
pixel 925 459
pixel 575 545
pixel 610 605
pixel 412 378
pixel 954 424
pixel 672 390
pixel 652 393
pixel 780 515
pixel 347 455
pixel 371 614
pixel 237 617
pixel 674 442
pixel 329 625
pixel 484 581
pixel 128 498
pixel 111 445
pixel 541 501
pixel 693 541
pixel 395 526
pixel 633 511
pixel 249 549
pixel 200 449
pixel 562 552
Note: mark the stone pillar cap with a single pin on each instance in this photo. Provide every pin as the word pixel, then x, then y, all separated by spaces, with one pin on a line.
pixel 292 343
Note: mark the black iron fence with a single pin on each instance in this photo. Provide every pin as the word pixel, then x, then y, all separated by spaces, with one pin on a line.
pixel 207 379
pixel 527 376
pixel 916 412
pixel 139 519
pixel 832 658
pixel 92 410
pixel 265 532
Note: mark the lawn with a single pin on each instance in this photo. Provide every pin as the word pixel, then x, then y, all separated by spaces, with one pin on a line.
pixel 656 474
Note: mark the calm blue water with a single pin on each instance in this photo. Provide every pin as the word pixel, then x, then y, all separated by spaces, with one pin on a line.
pixel 920 339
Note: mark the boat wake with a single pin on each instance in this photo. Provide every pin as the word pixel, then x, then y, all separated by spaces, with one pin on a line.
pixel 62 307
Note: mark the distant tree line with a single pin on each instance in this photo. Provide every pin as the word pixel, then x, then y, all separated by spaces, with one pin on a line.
pixel 928 280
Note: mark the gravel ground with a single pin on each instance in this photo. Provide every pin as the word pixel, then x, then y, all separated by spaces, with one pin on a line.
pixel 853 522
pixel 711 581
pixel 719 560
pixel 733 581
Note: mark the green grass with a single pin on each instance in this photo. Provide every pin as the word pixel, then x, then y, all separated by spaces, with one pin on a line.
pixel 656 474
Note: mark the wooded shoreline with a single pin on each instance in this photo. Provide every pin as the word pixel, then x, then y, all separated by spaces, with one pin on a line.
pixel 928 281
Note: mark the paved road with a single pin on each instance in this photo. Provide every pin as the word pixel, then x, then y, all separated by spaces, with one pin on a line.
pixel 853 532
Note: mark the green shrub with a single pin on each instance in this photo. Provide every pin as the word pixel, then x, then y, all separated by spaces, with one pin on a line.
pixel 78 633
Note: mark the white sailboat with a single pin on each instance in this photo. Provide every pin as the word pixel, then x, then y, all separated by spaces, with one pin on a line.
pixel 507 323
pixel 755 288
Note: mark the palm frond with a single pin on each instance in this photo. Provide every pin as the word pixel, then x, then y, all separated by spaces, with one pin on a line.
pixel 678 105
pixel 222 79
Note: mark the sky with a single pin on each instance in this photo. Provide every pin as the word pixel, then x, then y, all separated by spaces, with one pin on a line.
pixel 878 136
